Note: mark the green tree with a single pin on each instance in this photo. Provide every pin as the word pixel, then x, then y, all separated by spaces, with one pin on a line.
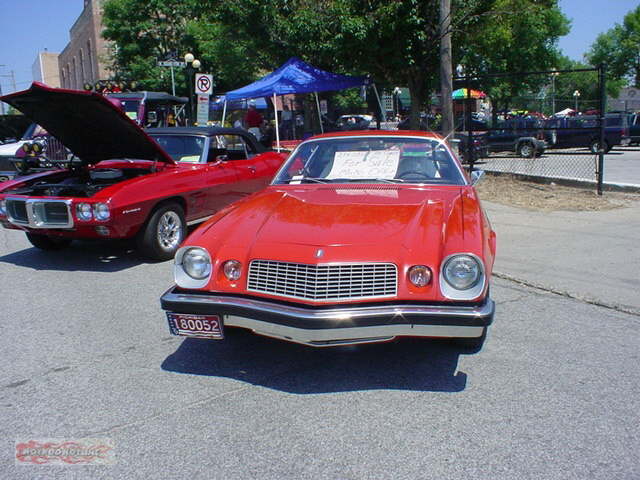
pixel 619 48
pixel 142 33
pixel 517 36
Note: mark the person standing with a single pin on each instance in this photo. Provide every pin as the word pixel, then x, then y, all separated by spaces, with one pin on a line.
pixel 253 120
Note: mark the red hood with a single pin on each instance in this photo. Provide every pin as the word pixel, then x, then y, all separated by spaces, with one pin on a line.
pixel 87 124
pixel 346 219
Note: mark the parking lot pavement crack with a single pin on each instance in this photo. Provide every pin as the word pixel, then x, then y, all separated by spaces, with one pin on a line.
pixel 564 293
pixel 187 406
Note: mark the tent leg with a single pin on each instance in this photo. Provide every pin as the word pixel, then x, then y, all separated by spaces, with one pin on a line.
pixel 319 114
pixel 275 111
pixel 224 112
pixel 382 113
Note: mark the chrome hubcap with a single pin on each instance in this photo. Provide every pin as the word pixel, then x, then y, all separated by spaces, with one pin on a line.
pixel 169 231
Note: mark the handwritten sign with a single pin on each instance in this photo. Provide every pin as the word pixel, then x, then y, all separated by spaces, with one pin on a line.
pixel 362 165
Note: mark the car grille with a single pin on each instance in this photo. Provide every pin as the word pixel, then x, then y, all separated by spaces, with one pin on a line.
pixel 39 213
pixel 323 282
pixel 17 211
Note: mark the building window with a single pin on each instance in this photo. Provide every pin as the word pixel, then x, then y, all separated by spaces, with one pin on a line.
pixel 90 62
pixel 83 76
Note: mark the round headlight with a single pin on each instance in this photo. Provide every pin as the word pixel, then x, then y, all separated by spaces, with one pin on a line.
pixel 101 211
pixel 420 275
pixel 26 147
pixel 37 147
pixel 462 272
pixel 232 269
pixel 196 263
pixel 83 211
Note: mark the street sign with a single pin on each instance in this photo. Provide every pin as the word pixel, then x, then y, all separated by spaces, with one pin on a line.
pixel 172 63
pixel 203 109
pixel 204 84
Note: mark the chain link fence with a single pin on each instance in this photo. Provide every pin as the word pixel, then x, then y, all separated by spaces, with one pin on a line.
pixel 554 130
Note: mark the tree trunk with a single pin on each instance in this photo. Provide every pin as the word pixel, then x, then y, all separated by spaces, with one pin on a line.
pixel 416 90
pixel 446 86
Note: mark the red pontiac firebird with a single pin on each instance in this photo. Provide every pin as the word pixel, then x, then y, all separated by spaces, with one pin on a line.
pixel 120 182
pixel 361 237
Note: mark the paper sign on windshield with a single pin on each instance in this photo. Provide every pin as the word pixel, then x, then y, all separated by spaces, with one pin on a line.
pixel 371 164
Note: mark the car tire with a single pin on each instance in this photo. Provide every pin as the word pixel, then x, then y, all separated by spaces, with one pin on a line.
pixel 526 150
pixel 471 343
pixel 594 147
pixel 46 242
pixel 163 232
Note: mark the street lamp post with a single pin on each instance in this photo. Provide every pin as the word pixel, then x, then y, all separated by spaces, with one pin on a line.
pixel 192 64
pixel 553 92
pixel 576 96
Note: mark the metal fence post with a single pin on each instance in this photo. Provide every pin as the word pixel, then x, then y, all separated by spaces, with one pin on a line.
pixel 469 120
pixel 602 81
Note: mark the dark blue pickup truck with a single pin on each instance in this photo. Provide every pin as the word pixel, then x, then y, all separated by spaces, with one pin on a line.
pixel 584 131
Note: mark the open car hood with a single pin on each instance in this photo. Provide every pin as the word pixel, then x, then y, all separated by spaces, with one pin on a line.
pixel 87 123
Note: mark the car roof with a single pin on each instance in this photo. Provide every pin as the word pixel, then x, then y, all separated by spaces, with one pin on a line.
pixel 207 131
pixel 385 133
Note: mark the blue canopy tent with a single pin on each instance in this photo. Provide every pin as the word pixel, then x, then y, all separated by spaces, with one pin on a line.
pixel 295 76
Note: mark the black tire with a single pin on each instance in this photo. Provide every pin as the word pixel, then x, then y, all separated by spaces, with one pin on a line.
pixel 45 242
pixel 164 231
pixel 473 344
pixel 595 146
pixel 526 150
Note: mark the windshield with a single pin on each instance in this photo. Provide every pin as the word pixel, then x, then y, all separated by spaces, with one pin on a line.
pixel 182 148
pixel 374 159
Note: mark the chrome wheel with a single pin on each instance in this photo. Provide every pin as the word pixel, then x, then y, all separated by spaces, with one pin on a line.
pixel 169 231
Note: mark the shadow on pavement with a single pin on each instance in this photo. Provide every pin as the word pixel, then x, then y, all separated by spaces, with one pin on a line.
pixel 405 364
pixel 92 256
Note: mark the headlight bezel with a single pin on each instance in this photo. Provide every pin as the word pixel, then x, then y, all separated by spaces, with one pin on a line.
pixel 97 209
pixel 82 209
pixel 475 288
pixel 182 277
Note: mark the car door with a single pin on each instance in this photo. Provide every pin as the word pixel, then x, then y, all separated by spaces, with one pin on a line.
pixel 253 171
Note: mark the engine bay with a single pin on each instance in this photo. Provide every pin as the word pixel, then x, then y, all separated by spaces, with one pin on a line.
pixel 78 183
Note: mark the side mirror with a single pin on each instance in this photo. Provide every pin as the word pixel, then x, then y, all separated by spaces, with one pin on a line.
pixel 222 158
pixel 152 117
pixel 476 176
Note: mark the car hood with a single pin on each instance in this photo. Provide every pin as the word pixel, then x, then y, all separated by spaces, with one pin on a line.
pixel 87 123
pixel 367 221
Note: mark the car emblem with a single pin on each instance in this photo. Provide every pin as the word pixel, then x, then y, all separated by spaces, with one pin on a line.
pixel 319 253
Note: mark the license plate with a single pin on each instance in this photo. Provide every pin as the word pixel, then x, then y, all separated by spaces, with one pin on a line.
pixel 198 326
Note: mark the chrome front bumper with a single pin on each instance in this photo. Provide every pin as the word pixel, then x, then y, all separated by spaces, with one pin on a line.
pixel 335 325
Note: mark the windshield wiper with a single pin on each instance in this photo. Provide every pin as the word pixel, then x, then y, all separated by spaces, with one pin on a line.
pixel 381 180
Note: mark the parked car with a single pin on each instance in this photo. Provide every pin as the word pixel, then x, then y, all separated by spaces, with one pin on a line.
pixel 152 109
pixel 633 120
pixel 354 122
pixel 480 146
pixel 361 237
pixel 584 131
pixel 522 135
pixel 123 183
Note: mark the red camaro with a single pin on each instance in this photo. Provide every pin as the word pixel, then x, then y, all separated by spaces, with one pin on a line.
pixel 361 237
pixel 119 182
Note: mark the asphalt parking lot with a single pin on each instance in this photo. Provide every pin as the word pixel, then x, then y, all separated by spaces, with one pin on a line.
pixel 86 353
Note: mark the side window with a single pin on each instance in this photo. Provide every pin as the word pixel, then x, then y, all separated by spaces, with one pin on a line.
pixel 236 147
pixel 182 148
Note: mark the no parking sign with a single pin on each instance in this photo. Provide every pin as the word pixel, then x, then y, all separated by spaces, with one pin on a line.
pixel 204 84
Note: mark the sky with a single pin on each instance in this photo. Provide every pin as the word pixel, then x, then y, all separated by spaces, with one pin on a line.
pixel 29 26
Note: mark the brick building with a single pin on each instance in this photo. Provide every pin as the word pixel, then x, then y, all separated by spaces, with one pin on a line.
pixel 45 69
pixel 84 58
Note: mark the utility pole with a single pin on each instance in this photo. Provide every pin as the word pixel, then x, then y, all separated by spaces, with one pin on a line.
pixel 446 87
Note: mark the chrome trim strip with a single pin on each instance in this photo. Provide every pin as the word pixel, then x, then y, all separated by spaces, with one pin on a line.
pixel 33 222
pixel 342 313
pixel 349 335
pixel 198 220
